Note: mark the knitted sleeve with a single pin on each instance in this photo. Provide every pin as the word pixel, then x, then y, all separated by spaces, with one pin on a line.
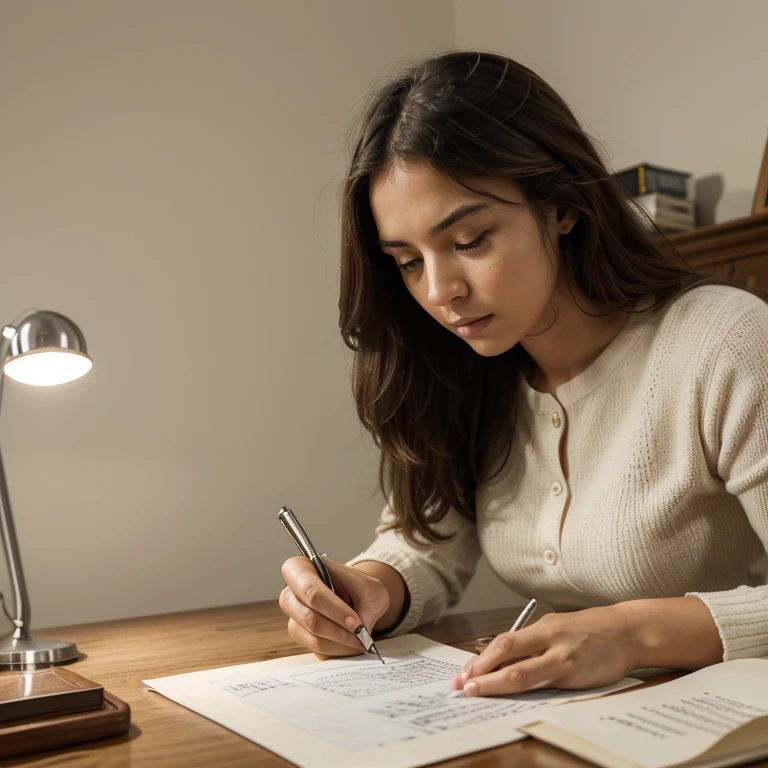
pixel 735 431
pixel 436 576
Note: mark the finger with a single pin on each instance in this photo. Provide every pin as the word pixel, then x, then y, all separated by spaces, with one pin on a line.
pixel 321 645
pixel 535 672
pixel 457 681
pixel 300 575
pixel 367 594
pixel 315 623
pixel 506 646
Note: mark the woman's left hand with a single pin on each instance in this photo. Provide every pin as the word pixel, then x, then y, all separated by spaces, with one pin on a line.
pixel 583 649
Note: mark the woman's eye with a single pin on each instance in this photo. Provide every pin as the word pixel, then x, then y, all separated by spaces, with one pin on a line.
pixel 475 244
pixel 409 266
pixel 478 242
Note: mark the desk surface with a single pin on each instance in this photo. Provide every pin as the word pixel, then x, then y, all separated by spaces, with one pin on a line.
pixel 120 654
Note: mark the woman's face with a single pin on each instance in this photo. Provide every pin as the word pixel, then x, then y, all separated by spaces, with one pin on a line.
pixel 488 277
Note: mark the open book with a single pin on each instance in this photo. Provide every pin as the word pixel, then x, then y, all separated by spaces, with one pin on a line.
pixel 716 716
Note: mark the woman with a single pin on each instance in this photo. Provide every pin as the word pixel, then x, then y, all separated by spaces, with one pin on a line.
pixel 550 387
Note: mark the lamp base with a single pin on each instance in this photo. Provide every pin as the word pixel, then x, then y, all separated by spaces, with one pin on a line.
pixel 26 654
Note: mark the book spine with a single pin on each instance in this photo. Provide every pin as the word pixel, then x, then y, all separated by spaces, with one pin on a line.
pixel 645 180
pixel 662 202
pixel 666 183
pixel 666 224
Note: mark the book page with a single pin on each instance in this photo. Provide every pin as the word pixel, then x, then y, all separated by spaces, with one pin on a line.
pixel 666 724
pixel 356 711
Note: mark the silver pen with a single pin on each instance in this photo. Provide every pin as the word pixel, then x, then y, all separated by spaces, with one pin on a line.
pixel 522 619
pixel 520 622
pixel 303 542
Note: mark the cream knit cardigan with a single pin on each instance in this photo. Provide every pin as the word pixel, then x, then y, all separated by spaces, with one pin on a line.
pixel 666 494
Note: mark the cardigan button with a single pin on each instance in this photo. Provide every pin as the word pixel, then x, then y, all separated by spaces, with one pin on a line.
pixel 557 488
pixel 550 556
pixel 556 419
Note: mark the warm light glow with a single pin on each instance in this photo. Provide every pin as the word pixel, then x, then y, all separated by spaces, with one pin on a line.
pixel 46 367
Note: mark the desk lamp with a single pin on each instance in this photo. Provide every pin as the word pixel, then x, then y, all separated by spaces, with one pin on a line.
pixel 40 348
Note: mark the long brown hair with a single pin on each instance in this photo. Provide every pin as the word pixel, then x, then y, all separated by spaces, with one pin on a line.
pixel 439 412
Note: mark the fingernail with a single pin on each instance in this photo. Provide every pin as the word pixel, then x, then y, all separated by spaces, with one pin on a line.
pixel 325 554
pixel 463 676
pixel 350 623
pixel 470 689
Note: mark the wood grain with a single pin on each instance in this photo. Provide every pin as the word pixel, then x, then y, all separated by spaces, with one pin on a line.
pixel 736 249
pixel 163 734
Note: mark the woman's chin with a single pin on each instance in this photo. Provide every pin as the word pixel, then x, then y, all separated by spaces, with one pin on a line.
pixel 489 347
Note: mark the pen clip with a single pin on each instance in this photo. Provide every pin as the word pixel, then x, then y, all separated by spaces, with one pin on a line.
pixel 305 546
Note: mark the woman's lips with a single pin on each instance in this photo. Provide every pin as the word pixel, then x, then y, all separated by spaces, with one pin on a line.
pixel 472 328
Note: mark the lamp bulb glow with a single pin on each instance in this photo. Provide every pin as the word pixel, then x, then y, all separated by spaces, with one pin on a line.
pixel 48 367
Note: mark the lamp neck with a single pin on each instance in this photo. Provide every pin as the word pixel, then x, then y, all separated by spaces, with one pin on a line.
pixel 5 343
pixel 7 527
pixel 6 335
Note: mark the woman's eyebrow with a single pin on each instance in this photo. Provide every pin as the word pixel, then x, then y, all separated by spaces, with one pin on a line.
pixel 460 213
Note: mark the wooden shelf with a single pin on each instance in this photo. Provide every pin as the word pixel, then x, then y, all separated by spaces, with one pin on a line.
pixel 737 249
pixel 737 239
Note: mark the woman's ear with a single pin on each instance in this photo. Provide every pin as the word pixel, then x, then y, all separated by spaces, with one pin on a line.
pixel 566 219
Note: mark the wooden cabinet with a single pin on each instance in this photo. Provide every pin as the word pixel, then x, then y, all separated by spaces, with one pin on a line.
pixel 737 249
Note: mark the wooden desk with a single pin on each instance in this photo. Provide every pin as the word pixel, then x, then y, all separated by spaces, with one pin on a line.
pixel 120 654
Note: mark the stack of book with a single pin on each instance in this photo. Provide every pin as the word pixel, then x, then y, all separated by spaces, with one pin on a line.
pixel 663 195
pixel 49 708
pixel 670 214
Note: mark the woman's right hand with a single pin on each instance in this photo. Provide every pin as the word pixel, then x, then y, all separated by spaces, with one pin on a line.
pixel 323 621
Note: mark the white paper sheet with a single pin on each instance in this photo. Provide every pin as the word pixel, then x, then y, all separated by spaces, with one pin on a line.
pixel 675 721
pixel 355 712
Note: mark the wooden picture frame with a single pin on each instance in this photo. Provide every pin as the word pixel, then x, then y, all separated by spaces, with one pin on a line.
pixel 760 203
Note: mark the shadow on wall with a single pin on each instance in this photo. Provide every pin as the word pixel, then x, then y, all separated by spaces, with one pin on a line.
pixel 710 195
pixel 709 190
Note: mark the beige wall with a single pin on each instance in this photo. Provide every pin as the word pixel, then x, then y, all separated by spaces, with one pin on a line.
pixel 679 83
pixel 169 181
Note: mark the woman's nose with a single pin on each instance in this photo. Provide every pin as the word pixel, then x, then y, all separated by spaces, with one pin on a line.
pixel 445 284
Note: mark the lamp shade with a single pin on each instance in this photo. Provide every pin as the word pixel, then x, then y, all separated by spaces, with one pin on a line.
pixel 46 349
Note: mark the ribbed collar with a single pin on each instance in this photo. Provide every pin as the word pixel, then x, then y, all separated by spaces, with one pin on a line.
pixel 595 374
